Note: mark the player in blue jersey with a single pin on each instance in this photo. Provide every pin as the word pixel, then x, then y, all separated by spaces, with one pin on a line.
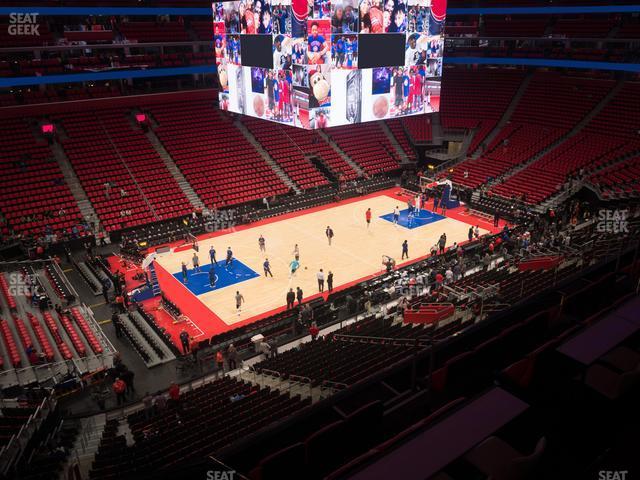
pixel 316 46
pixel 339 52
pixel 350 52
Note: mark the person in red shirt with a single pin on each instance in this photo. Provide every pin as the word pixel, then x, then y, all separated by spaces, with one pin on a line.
pixel 377 18
pixel 439 280
pixel 219 362
pixel 367 216
pixel 314 331
pixel 491 248
pixel 119 388
pixel 249 20
pixel 174 392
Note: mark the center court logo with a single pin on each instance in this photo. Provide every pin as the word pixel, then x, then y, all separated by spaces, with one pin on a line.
pixel 23 24
pixel 613 221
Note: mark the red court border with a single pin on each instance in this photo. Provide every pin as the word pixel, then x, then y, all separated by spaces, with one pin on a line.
pixel 199 313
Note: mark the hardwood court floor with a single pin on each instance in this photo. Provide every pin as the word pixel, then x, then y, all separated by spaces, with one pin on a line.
pixel 356 252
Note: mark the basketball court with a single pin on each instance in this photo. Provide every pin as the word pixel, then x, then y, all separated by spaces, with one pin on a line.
pixel 355 254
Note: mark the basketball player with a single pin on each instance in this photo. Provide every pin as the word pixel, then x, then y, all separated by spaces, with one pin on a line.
pixel 229 257
pixel 396 215
pixel 367 216
pixel 293 266
pixel 184 272
pixel 262 244
pixel 212 278
pixel 196 262
pixel 317 46
pixel 296 253
pixel 405 250
pixel 267 268
pixel 239 301
pixel 212 255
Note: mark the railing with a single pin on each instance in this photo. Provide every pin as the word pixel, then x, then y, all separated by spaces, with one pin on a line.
pixel 401 342
pixel 13 450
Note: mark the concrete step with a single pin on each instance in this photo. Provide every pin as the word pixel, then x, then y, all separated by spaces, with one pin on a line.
pixel 341 152
pixel 185 186
pixel 506 116
pixel 392 139
pixel 267 158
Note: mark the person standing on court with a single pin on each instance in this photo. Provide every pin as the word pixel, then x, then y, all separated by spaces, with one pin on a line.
pixel 262 244
pixel 329 233
pixel 296 252
pixel 184 340
pixel 405 250
pixel 367 216
pixel 184 272
pixel 267 268
pixel 442 243
pixel 291 298
pixel 320 277
pixel 229 256
pixel 470 234
pixel 299 295
pixel 239 301
pixel 396 215
pixel 212 278
pixel 212 255
pixel 196 262
pixel 330 281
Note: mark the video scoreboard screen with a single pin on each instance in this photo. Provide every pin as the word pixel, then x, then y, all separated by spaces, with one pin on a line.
pixel 321 63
